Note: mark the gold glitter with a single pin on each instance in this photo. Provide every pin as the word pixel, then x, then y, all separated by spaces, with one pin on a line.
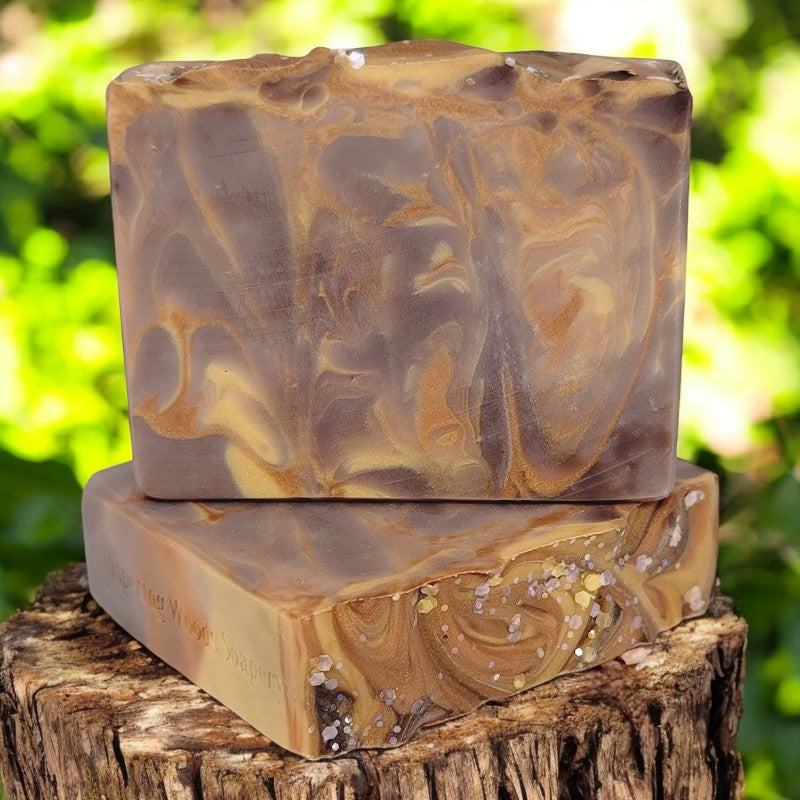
pixel 428 603
pixel 583 599
pixel 592 582
pixel 603 620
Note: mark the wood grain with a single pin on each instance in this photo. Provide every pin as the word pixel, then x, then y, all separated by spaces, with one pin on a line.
pixel 88 714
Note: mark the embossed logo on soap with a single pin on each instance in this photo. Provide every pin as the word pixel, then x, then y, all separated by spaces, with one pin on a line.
pixel 166 608
pixel 151 599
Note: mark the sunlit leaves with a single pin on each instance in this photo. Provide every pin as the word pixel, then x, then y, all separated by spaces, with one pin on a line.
pixel 39 525
pixel 62 393
pixel 43 251
pixel 773 131
pixel 63 377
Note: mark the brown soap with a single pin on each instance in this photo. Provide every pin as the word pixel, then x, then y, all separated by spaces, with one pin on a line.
pixel 336 625
pixel 414 271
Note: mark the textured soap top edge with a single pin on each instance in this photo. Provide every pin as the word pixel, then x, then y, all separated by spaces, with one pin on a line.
pixel 497 531
pixel 555 67
pixel 173 125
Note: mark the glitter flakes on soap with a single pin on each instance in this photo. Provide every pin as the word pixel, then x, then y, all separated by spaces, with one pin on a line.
pixel 487 625
pixel 693 498
pixel 694 599
pixel 388 696
pixel 356 59
pixel 324 663
pixel 643 562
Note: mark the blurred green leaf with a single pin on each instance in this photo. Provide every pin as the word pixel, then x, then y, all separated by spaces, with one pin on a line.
pixel 44 249
pixel 62 393
pixel 39 525
pixel 787 698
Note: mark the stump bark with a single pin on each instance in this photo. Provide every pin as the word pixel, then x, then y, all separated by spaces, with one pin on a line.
pixel 86 712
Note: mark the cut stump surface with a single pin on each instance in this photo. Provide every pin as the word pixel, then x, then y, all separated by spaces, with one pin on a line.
pixel 87 712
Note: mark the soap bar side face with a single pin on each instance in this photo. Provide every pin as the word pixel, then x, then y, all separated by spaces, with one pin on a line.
pixel 457 275
pixel 181 608
pixel 243 600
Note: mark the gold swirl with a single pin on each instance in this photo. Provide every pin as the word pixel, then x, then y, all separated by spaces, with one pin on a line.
pixel 410 311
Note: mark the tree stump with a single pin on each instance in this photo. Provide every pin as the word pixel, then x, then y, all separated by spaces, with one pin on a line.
pixel 88 713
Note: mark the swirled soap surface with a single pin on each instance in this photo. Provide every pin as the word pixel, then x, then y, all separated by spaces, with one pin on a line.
pixel 334 625
pixel 413 271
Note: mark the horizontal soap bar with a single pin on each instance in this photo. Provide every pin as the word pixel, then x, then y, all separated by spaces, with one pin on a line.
pixel 414 271
pixel 336 625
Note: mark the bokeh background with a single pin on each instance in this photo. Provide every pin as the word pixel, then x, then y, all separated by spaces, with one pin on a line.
pixel 62 393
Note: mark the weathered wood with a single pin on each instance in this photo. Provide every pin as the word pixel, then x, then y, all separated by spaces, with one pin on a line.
pixel 88 713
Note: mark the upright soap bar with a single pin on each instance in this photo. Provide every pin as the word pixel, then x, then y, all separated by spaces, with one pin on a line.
pixel 336 625
pixel 415 271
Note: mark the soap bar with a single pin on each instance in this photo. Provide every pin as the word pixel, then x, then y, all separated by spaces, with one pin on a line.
pixel 334 625
pixel 414 271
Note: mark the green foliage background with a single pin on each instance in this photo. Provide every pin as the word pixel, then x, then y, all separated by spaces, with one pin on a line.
pixel 62 393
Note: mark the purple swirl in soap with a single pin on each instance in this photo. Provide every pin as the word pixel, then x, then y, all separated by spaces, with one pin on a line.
pixel 447 276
